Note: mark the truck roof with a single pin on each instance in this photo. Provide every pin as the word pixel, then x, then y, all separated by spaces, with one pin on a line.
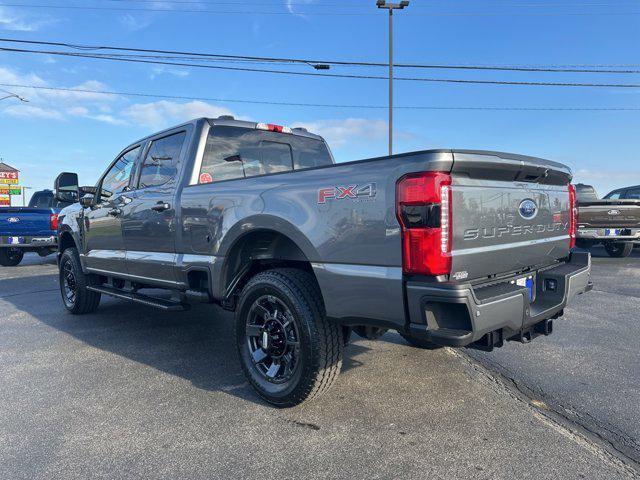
pixel 228 120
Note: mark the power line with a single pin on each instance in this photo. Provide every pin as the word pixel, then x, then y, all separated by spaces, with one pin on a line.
pixel 332 105
pixel 344 4
pixel 246 12
pixel 351 5
pixel 220 57
pixel 330 75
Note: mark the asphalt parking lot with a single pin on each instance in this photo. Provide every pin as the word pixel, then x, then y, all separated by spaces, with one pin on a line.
pixel 129 392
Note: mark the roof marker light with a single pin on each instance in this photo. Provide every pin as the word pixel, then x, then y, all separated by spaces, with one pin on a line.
pixel 270 127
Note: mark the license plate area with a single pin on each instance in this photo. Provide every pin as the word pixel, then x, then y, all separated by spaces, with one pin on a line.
pixel 15 240
pixel 529 283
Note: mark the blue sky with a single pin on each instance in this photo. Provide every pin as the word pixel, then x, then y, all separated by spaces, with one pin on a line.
pixel 82 132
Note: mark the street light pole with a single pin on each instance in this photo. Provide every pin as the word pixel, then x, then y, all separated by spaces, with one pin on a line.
pixel 391 7
pixel 24 191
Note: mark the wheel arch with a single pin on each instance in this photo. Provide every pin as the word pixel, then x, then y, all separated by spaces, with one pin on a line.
pixel 258 243
pixel 66 240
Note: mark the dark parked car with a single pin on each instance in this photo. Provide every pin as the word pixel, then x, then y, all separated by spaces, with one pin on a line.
pixel 448 247
pixel 613 221
pixel 30 229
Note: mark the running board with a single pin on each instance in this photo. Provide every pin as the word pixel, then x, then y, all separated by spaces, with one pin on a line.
pixel 135 297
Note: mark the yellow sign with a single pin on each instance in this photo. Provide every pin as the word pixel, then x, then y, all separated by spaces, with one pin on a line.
pixel 9 181
pixel 5 201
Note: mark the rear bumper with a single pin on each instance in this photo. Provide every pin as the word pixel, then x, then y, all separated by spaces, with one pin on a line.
pixel 599 234
pixel 28 242
pixel 460 314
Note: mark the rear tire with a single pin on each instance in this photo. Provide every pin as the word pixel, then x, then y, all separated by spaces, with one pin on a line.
pixel 73 285
pixel 10 257
pixel 289 351
pixel 618 249
pixel 420 342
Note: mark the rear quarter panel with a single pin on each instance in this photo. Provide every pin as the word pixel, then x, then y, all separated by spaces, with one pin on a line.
pixel 352 243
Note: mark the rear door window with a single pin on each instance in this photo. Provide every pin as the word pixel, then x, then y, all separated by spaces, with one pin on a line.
pixel 235 152
pixel 614 195
pixel 162 160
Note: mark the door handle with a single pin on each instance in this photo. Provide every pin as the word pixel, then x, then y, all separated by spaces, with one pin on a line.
pixel 114 212
pixel 161 207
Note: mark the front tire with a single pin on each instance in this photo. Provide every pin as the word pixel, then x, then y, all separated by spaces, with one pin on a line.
pixel 73 285
pixel 10 257
pixel 289 351
pixel 618 249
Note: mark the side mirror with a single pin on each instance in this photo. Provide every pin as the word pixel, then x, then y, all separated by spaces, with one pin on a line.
pixel 92 190
pixel 87 200
pixel 66 187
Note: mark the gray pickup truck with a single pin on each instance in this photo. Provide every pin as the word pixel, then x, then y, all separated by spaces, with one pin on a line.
pixel 613 221
pixel 446 247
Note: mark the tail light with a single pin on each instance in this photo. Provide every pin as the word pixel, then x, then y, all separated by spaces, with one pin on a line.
pixel 423 208
pixel 573 216
pixel 53 221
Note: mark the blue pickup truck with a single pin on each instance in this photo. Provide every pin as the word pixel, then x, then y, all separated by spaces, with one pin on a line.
pixel 30 229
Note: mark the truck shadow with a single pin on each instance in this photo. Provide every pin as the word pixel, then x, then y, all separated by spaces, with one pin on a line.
pixel 197 345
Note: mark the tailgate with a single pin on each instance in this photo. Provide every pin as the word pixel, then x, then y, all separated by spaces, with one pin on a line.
pixel 609 213
pixel 509 213
pixel 25 221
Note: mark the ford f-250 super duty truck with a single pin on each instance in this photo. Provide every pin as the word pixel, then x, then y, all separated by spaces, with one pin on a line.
pixel 447 247
pixel 613 220
pixel 30 229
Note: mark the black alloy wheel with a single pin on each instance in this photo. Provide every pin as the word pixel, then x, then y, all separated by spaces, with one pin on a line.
pixel 273 339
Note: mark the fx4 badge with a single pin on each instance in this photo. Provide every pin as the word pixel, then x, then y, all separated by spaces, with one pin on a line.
pixel 350 191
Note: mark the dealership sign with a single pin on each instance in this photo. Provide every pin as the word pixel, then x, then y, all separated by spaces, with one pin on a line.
pixel 10 190
pixel 9 175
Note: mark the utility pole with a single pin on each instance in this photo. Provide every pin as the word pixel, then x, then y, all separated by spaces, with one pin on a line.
pixel 391 7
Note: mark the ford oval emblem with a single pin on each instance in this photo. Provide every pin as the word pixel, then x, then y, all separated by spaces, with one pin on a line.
pixel 614 212
pixel 13 219
pixel 528 209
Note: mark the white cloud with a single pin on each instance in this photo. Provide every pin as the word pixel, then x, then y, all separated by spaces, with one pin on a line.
pixel 19 22
pixel 32 111
pixel 65 104
pixel 56 104
pixel 291 3
pixel 134 23
pixel 351 130
pixel 165 113
pixel 162 70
